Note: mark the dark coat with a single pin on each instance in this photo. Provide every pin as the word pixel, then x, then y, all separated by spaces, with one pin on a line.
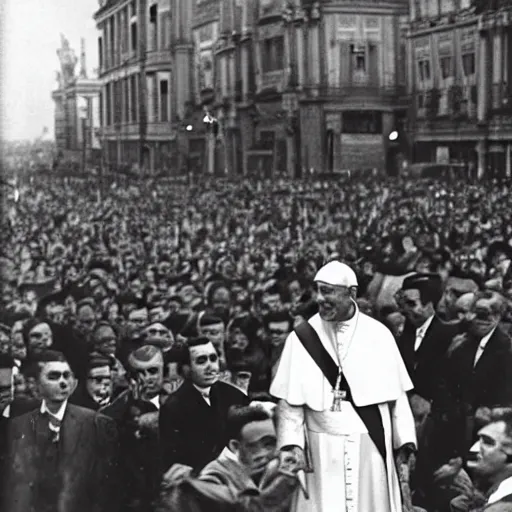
pixel 140 463
pixel 423 366
pixel 466 388
pixel 224 485
pixel 81 398
pixel 191 431
pixel 86 465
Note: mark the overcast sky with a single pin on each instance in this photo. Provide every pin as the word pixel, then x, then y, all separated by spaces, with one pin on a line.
pixel 30 31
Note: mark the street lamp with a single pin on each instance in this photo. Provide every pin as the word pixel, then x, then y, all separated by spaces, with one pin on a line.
pixel 189 128
pixel 393 136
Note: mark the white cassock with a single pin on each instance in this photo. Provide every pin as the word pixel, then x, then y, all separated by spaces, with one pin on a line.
pixel 349 474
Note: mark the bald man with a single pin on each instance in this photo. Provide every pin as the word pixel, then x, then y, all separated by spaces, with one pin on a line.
pixel 136 412
pixel 342 388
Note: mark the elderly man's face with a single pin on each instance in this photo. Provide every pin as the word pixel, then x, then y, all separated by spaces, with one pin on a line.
pixel 486 316
pixel 105 340
pixel 493 448
pixel 86 319
pixel 334 302
pixel 99 384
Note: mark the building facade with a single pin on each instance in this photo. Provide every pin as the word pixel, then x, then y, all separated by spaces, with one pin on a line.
pixel 307 86
pixel 76 103
pixel 135 66
pixel 459 65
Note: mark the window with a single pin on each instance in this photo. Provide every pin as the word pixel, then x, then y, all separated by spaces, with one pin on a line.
pixel 153 28
pixel 108 94
pixel 358 55
pixel 421 100
pixel 100 52
pixel 329 139
pixel 133 36
pixel 165 30
pixel 446 67
pixel 424 70
pixel 468 64
pixel 112 41
pixel 126 96
pixel 102 106
pixel 362 121
pixel 164 101
pixel 133 99
pixel 272 55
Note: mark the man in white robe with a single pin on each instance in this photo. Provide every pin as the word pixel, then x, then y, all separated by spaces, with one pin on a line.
pixel 347 471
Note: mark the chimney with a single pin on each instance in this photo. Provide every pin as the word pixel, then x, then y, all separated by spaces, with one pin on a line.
pixel 83 66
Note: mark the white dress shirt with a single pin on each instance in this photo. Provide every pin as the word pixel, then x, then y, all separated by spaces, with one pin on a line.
pixel 482 345
pixel 156 401
pixel 205 393
pixel 7 412
pixel 421 331
pixel 59 415
pixel 504 489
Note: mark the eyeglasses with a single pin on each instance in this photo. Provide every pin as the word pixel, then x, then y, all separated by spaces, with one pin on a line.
pixel 213 358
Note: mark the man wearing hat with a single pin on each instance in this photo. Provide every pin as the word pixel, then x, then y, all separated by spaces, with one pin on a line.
pixel 343 404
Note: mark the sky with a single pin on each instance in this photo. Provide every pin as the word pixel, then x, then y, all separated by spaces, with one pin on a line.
pixel 30 36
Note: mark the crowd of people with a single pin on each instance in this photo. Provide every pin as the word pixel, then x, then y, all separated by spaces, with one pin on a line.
pixel 143 327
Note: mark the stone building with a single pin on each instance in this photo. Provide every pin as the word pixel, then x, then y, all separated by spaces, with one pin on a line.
pixel 76 103
pixel 135 64
pixel 459 62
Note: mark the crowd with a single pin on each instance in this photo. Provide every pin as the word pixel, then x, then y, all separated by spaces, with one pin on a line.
pixel 142 324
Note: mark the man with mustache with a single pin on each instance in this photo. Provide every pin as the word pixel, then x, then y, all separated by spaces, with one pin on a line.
pixel 193 420
pixel 61 457
pixel 343 405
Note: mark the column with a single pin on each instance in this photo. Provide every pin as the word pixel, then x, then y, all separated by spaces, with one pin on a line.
pixel 497 68
pixel 314 55
pixel 299 37
pixel 481 149
pixel 410 78
pixel 483 79
pixel 210 141
pixel 508 162
pixel 245 56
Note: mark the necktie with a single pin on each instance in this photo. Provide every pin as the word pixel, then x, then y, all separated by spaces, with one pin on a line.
pixel 54 425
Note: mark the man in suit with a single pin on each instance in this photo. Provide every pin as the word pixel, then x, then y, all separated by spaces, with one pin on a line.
pixel 491 461
pixel 425 338
pixel 193 420
pixel 61 457
pixel 136 413
pixel 477 374
pixel 247 476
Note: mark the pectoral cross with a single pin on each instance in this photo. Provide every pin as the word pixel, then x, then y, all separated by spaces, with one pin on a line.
pixel 339 396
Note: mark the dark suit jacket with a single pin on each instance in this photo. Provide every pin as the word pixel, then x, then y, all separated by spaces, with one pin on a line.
pixel 465 387
pixel 87 464
pixel 191 431
pixel 423 366
pixel 140 463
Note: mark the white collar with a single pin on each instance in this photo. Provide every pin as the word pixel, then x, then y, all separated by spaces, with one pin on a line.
pixel 229 455
pixel 7 412
pixel 59 414
pixel 156 401
pixel 203 391
pixel 423 328
pixel 504 489
pixel 486 338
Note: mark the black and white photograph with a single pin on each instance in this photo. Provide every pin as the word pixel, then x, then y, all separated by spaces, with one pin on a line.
pixel 256 256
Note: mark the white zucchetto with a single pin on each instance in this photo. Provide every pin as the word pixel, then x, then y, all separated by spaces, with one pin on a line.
pixel 336 273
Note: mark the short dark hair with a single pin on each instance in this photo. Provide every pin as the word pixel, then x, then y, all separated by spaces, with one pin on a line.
pixel 181 354
pixel 429 286
pixel 241 415
pixel 48 356
pixel 503 414
pixel 278 317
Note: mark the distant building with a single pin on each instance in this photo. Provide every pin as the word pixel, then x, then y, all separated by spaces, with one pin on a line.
pixel 76 101
pixel 134 49
pixel 305 85
pixel 460 73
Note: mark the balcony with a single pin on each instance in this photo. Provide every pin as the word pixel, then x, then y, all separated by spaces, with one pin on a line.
pixel 375 92
pixel 158 58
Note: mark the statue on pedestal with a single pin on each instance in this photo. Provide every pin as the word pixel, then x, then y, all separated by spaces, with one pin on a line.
pixel 68 61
